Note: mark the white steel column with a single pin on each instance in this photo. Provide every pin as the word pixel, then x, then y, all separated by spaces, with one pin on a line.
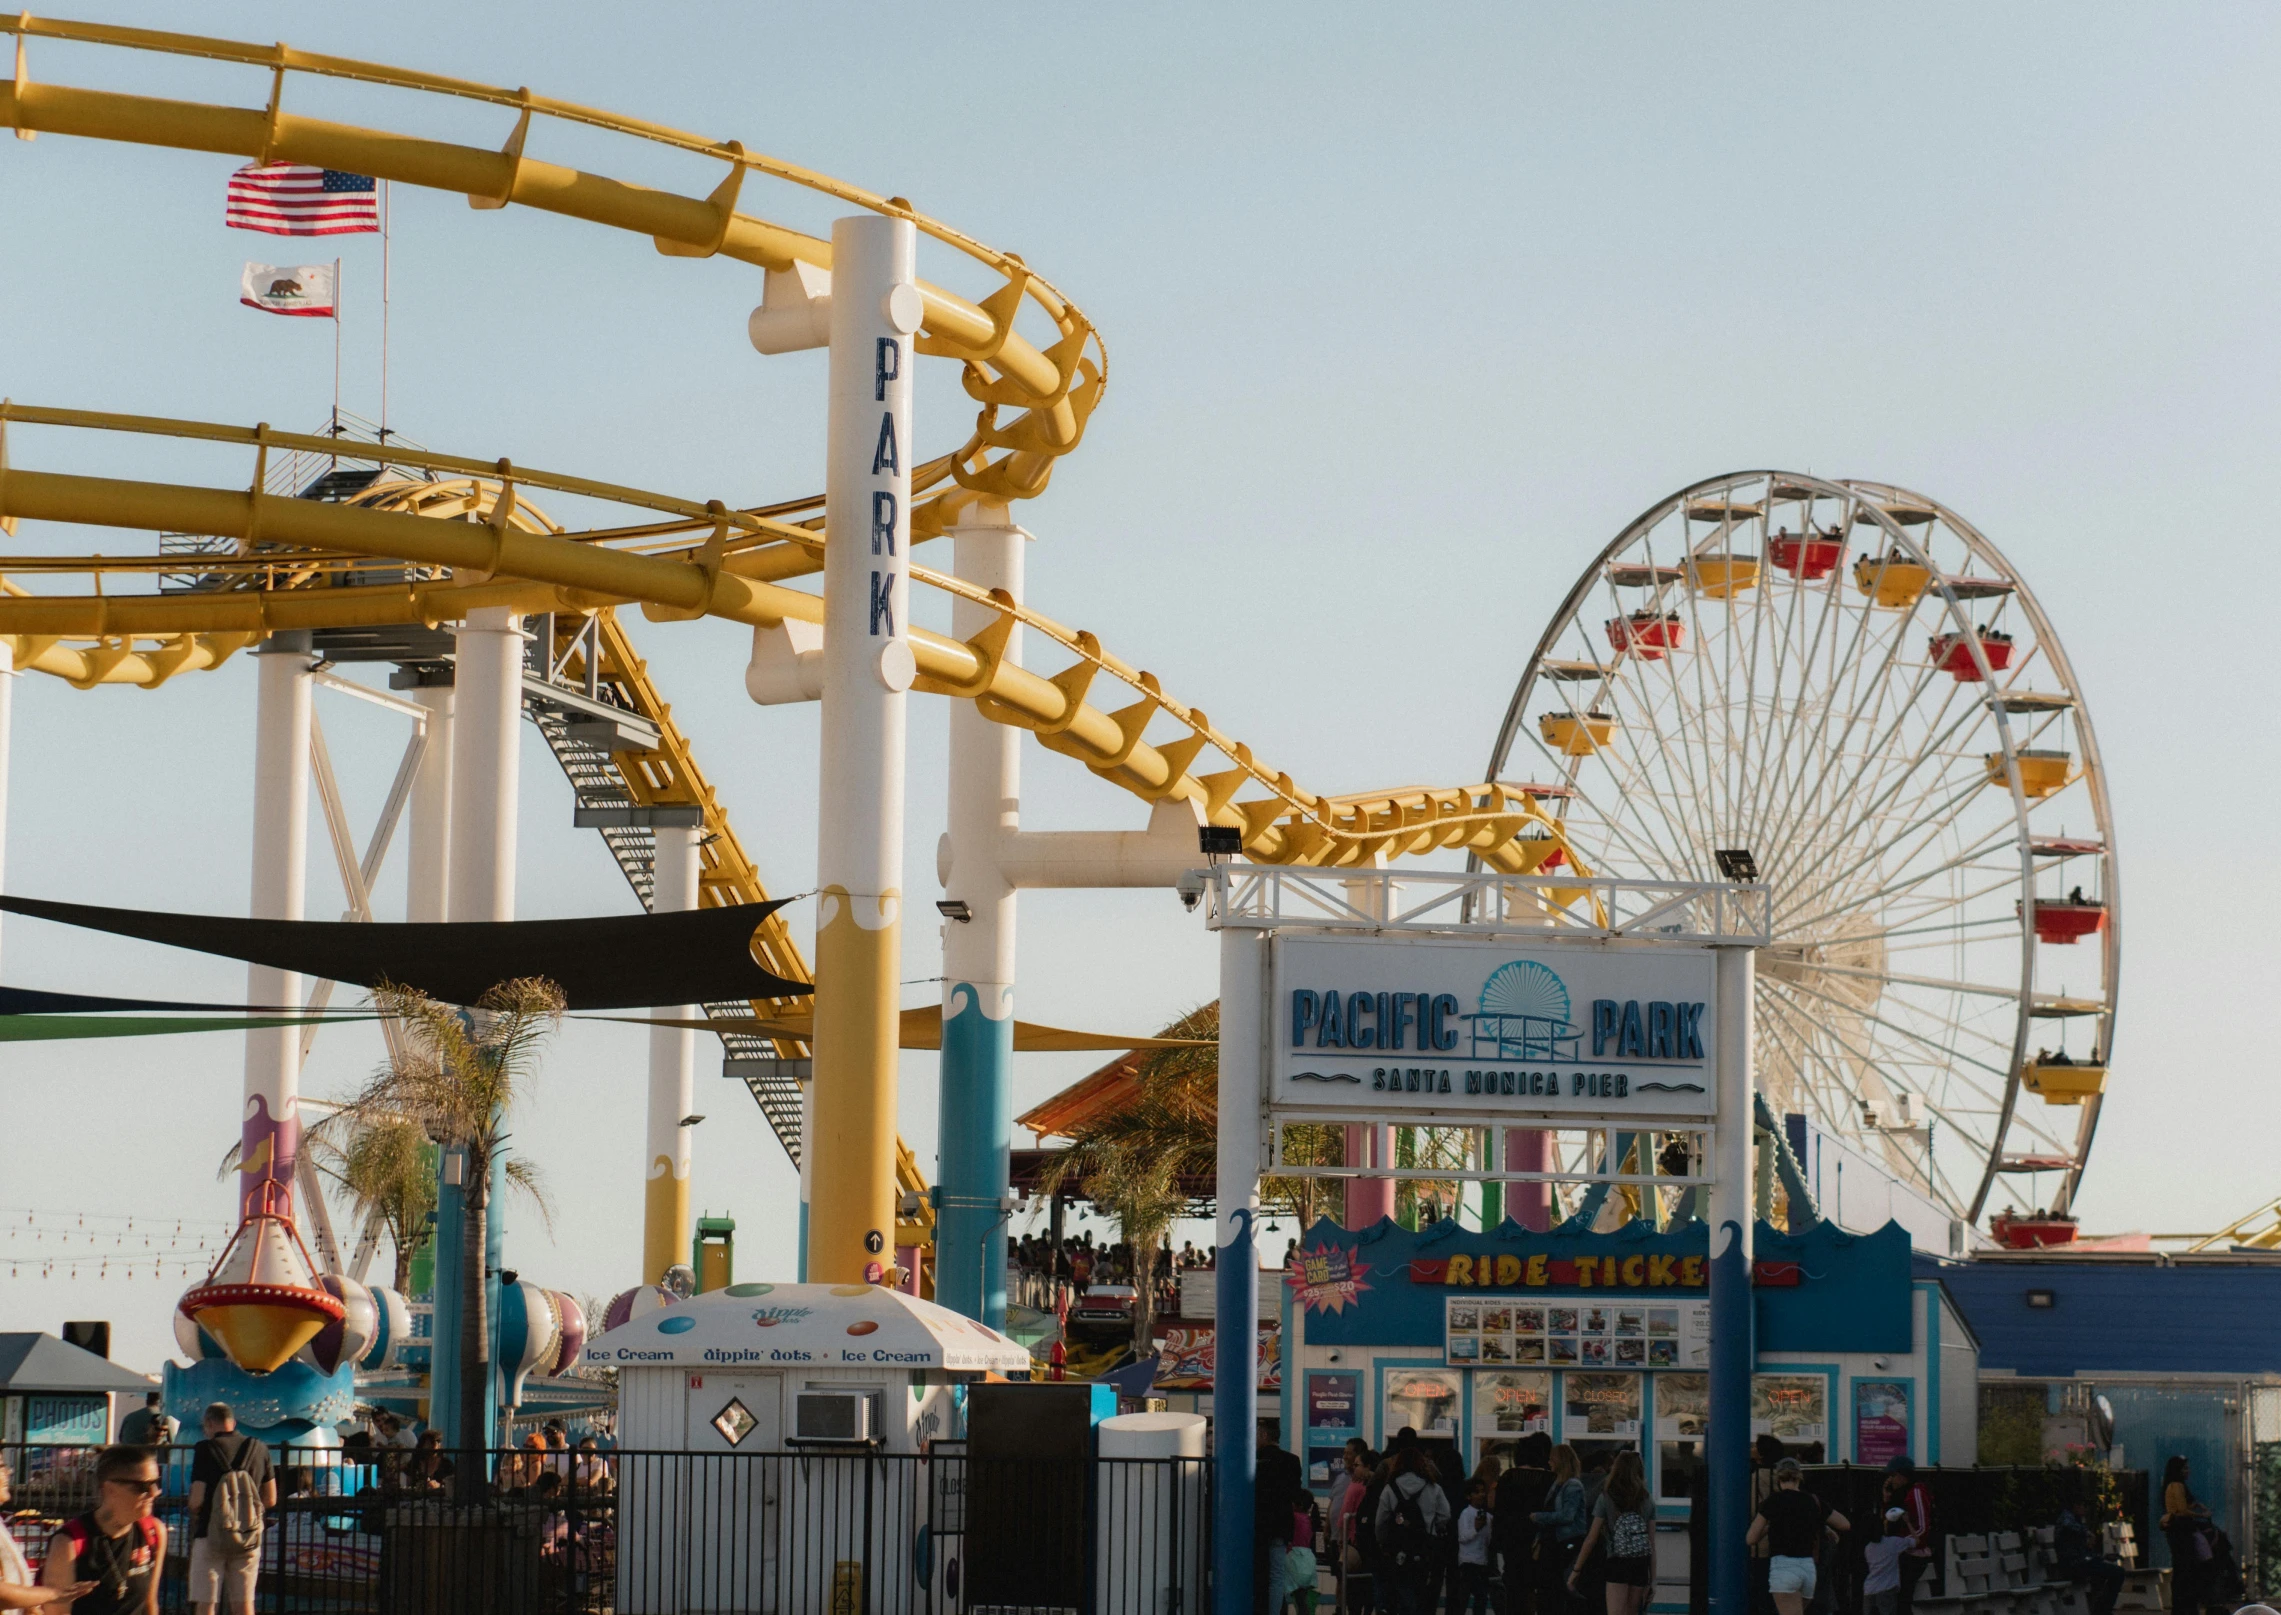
pixel 867 670
pixel 271 1133
pixel 427 894
pixel 976 1112
pixel 672 1075
pixel 485 783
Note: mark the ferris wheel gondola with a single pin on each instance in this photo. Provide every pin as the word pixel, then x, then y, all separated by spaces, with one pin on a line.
pixel 1846 682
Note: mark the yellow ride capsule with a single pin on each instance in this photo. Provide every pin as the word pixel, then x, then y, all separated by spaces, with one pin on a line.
pixel 2042 773
pixel 1894 582
pixel 1721 577
pixel 2067 1084
pixel 1576 736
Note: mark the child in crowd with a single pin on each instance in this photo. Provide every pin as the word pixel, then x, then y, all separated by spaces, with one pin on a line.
pixel 1473 1527
pixel 1883 1586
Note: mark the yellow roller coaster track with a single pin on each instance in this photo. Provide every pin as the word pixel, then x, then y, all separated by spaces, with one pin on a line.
pixel 300 560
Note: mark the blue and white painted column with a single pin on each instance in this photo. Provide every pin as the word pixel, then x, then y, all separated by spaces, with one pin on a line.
pixel 1727 1443
pixel 975 1133
pixel 485 796
pixel 1235 1367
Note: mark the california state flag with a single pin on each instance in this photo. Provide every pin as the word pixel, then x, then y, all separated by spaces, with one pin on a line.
pixel 295 289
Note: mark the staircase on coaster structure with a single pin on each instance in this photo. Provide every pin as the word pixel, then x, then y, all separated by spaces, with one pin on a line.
pixel 616 742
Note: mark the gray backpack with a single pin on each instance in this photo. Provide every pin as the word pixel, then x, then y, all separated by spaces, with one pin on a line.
pixel 233 1513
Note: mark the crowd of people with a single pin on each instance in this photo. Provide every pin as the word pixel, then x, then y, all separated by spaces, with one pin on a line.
pixel 107 1560
pixel 1039 1273
pixel 1561 1532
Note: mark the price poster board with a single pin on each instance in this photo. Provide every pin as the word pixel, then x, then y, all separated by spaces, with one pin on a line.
pixel 1880 1420
pixel 1792 1408
pixel 1334 1400
pixel 1603 1405
pixel 1423 1399
pixel 1576 1332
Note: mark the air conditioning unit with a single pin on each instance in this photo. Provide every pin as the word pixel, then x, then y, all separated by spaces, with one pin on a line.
pixel 833 1419
pixel 1900 1113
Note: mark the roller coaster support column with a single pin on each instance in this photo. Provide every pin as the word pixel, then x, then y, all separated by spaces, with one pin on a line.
pixel 1727 1447
pixel 1235 1374
pixel 976 1128
pixel 272 1123
pixel 486 737
pixel 868 669
pixel 428 856
pixel 672 1073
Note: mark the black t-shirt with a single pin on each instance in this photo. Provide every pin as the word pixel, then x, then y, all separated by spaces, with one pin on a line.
pixel 216 1456
pixel 122 1567
pixel 1793 1523
pixel 1520 1493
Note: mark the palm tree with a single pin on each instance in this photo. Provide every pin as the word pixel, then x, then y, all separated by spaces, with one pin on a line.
pixel 1131 1159
pixel 458 1077
pixel 388 1168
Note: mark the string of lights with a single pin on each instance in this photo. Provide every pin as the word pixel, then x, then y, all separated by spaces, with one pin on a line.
pixel 38 1243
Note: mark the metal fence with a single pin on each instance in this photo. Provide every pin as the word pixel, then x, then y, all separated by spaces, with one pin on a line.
pixel 830 1531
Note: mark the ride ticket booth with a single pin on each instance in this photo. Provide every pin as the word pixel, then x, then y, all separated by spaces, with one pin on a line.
pixel 1601 1341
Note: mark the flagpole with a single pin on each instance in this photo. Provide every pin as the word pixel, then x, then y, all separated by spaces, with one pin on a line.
pixel 336 364
pixel 384 199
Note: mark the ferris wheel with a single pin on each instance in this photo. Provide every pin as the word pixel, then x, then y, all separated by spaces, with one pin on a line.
pixel 1844 687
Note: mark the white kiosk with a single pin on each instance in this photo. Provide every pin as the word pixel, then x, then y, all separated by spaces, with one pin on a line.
pixel 769 1435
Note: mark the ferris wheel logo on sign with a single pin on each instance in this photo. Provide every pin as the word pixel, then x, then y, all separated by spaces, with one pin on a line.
pixel 1524 1015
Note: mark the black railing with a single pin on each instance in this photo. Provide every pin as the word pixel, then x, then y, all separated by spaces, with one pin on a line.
pixel 836 1531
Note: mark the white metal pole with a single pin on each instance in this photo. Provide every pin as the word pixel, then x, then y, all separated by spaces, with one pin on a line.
pixel 1235 1368
pixel 1727 1445
pixel 271 1133
pixel 485 784
pixel 875 316
pixel 976 1113
pixel 672 1075
pixel 427 895
pixel 487 714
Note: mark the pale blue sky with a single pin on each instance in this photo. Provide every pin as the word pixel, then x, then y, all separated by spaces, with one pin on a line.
pixel 1408 312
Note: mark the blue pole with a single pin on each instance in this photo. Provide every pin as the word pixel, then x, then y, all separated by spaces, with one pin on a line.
pixel 975 1131
pixel 1727 1444
pixel 443 1350
pixel 1235 1370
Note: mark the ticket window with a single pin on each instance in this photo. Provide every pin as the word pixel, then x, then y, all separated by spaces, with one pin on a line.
pixel 1600 1413
pixel 1508 1407
pixel 1794 1409
pixel 1682 1418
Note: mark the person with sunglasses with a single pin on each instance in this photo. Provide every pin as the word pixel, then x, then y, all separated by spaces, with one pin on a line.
pixel 108 1560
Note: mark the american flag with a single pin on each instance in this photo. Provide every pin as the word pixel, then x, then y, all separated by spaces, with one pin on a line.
pixel 293 199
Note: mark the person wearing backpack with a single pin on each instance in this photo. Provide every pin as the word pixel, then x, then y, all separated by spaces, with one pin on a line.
pixel 1411 1525
pixel 1621 1521
pixel 232 1489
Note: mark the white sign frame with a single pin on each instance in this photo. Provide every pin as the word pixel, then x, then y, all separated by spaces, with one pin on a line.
pixel 1507 1032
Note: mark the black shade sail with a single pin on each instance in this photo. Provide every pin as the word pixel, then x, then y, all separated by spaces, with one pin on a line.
pixel 630 961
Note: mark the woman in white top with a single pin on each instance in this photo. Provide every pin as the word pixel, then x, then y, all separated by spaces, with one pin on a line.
pixel 16 1589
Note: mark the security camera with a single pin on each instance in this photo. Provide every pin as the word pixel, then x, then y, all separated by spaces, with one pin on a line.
pixel 1191 889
